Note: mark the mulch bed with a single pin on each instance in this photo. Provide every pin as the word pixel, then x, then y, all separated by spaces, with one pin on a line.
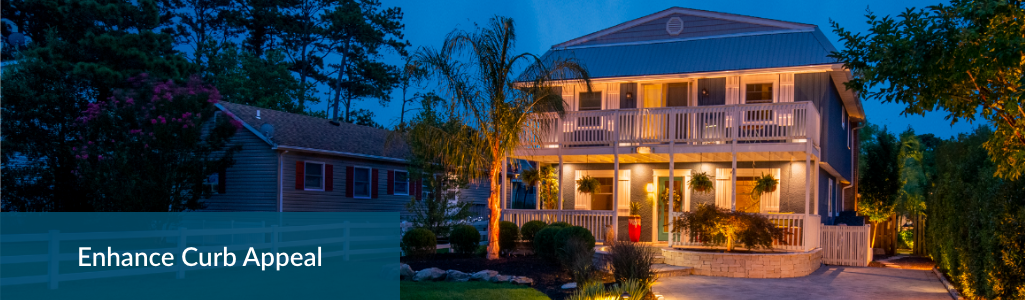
pixel 906 262
pixel 548 277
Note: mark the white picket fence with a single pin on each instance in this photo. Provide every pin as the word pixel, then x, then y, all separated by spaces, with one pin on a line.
pixel 267 238
pixel 846 245
pixel 593 220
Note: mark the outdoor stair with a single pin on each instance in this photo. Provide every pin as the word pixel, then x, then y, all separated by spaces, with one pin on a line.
pixel 659 259
pixel 664 270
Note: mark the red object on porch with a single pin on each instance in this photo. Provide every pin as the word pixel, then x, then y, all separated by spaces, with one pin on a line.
pixel 635 228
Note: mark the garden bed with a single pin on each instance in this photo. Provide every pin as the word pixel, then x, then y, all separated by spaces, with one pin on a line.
pixel 548 277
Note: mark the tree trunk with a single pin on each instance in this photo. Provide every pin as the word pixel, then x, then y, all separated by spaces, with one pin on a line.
pixel 494 203
pixel 338 82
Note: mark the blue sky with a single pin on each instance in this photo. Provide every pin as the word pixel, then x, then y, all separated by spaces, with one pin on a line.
pixel 542 23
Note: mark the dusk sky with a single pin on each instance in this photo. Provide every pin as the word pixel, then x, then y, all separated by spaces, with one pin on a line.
pixel 541 24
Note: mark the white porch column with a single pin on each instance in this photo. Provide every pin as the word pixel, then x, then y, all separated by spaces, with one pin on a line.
pixel 807 183
pixel 505 165
pixel 815 186
pixel 615 198
pixel 562 169
pixel 733 182
pixel 672 193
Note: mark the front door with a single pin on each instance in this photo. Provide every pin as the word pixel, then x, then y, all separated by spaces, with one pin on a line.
pixel 663 206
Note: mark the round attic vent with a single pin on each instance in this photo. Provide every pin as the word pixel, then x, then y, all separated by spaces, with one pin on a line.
pixel 674 26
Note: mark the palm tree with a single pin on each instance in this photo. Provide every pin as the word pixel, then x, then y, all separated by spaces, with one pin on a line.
pixel 489 106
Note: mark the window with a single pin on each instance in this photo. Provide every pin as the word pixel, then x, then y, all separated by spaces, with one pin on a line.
pixel 213 181
pixel 602 198
pixel 590 101
pixel 830 197
pixel 361 182
pixel 676 94
pixel 758 93
pixel 843 117
pixel 314 176
pixel 401 183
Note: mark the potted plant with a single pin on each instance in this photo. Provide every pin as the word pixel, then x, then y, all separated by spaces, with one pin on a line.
pixel 701 183
pixel 634 222
pixel 588 184
pixel 764 184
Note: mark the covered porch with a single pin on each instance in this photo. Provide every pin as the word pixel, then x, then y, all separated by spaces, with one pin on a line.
pixel 642 180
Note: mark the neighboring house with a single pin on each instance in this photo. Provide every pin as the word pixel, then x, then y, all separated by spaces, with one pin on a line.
pixel 686 91
pixel 294 163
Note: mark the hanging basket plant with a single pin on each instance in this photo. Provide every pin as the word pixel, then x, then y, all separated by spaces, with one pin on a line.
pixel 764 184
pixel 701 183
pixel 588 184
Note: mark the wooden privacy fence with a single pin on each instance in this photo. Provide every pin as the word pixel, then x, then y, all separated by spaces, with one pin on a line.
pixel 846 245
pixel 241 239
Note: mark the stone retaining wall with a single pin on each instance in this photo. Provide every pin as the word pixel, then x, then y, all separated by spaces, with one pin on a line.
pixel 746 265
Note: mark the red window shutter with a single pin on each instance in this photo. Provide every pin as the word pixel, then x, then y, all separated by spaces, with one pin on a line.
pixel 329 177
pixel 300 175
pixel 373 184
pixel 391 182
pixel 349 173
pixel 221 188
pixel 419 190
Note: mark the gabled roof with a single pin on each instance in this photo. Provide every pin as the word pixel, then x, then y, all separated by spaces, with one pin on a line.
pixel 692 23
pixel 297 132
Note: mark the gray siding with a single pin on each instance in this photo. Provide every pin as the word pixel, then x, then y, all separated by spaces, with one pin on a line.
pixel 250 184
pixel 296 200
pixel 693 26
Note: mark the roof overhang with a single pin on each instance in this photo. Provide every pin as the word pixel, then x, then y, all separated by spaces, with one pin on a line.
pixel 849 97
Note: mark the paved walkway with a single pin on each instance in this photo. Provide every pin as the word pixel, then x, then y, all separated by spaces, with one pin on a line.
pixel 828 282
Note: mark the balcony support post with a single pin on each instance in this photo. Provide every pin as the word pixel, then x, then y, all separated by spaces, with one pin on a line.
pixel 615 177
pixel 733 149
pixel 807 177
pixel 505 172
pixel 562 169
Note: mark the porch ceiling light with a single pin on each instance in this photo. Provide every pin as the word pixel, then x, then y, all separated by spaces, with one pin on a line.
pixel 644 150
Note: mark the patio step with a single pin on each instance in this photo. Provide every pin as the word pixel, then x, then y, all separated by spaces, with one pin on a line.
pixel 659 259
pixel 664 270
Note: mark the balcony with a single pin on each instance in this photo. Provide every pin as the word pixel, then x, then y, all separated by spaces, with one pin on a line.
pixel 792 122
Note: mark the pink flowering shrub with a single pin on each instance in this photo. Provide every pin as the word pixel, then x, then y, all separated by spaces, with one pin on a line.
pixel 151 147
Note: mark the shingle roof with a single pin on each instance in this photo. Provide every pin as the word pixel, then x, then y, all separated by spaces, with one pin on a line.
pixel 302 131
pixel 711 54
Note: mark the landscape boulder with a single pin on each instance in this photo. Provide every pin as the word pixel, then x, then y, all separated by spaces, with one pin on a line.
pixel 453 275
pixel 429 274
pixel 406 272
pixel 501 278
pixel 483 275
pixel 522 280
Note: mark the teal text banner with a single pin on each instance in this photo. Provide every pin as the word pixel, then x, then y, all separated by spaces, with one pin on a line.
pixel 199 255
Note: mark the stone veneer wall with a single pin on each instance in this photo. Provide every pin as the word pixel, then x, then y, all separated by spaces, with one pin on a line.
pixel 746 265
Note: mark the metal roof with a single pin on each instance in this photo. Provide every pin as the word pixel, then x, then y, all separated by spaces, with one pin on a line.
pixel 707 54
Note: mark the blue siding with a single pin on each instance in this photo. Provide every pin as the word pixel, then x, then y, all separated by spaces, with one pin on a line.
pixel 820 89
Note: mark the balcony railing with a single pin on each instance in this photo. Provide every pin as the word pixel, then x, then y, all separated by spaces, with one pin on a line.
pixel 747 123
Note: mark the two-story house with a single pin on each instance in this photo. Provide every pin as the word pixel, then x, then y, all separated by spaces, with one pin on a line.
pixel 682 92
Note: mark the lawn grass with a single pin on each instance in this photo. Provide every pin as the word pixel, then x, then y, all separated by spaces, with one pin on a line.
pixel 466 290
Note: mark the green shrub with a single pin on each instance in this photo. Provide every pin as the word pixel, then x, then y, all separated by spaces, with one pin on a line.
pixel 544 242
pixel 465 239
pixel 419 243
pixel 508 233
pixel 572 233
pixel 724 227
pixel 561 224
pixel 907 239
pixel 631 261
pixel 531 228
pixel 578 258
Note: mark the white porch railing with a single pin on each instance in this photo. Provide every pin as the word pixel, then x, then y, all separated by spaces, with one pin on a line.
pixel 802 233
pixel 775 122
pixel 593 220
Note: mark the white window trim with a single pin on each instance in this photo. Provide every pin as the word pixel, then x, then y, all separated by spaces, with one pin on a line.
pixel 370 184
pixel 323 176
pixel 395 180
pixel 756 79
